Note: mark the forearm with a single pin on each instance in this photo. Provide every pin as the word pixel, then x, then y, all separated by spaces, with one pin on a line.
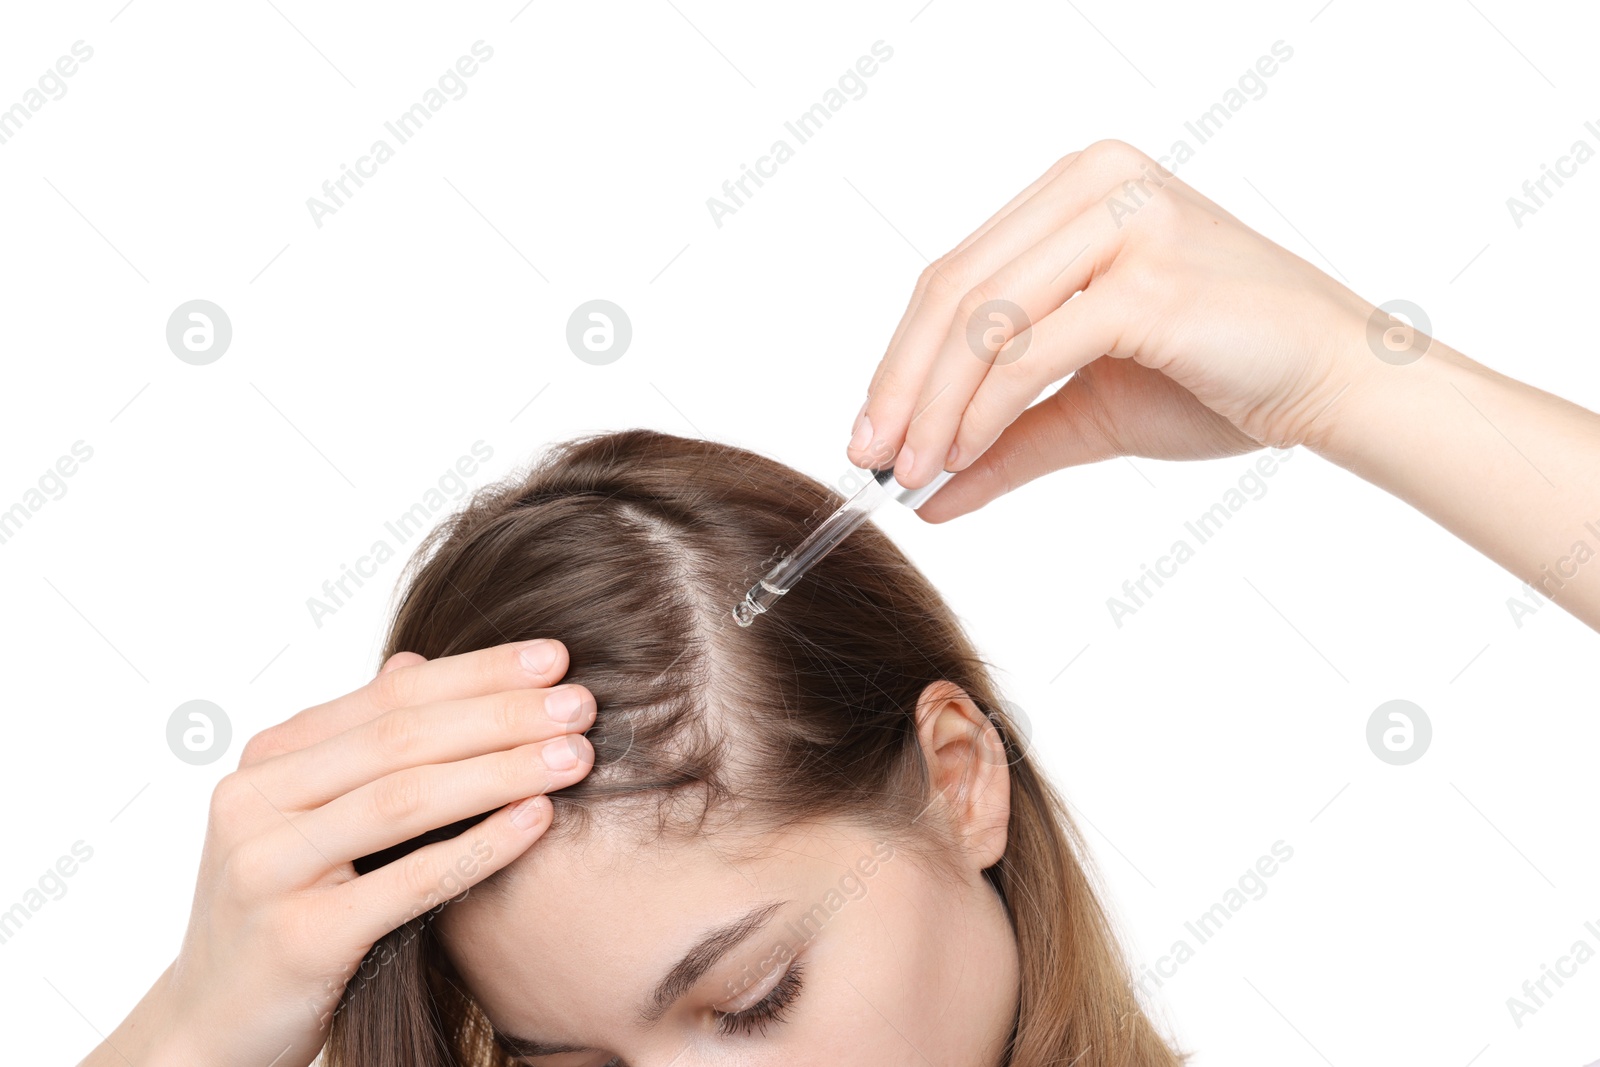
pixel 1510 469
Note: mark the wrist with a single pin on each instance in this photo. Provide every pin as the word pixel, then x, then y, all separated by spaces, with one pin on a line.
pixel 1386 393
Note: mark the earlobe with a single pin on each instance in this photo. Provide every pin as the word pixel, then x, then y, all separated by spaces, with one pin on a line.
pixel 967 768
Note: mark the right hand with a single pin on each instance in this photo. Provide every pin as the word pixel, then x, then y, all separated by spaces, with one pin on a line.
pixel 280 919
pixel 1187 335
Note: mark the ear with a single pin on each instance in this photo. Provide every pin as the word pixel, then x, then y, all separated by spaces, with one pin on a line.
pixel 968 769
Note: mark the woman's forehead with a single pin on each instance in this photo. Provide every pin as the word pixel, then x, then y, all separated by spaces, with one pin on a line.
pixel 591 920
pixel 609 874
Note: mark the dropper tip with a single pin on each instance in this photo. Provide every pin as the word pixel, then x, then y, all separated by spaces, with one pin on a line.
pixel 761 596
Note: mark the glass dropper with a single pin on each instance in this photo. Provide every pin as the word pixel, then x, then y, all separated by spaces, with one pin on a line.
pixel 834 529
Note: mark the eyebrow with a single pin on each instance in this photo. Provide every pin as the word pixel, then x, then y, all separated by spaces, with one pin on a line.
pixel 703 956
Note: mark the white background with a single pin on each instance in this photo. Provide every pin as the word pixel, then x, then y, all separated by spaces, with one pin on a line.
pixel 429 313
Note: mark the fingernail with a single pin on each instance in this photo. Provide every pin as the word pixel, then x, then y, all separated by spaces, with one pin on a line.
pixel 526 812
pixel 863 432
pixel 562 755
pixel 950 458
pixel 539 657
pixel 905 465
pixel 564 704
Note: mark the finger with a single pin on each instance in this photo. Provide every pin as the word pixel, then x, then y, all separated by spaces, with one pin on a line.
pixel 1088 326
pixel 904 373
pixel 989 332
pixel 266 746
pixel 377 902
pixel 1056 168
pixel 1057 432
pixel 872 450
pixel 445 732
pixel 399 806
pixel 518 665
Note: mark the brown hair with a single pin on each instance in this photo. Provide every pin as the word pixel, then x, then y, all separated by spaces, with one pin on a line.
pixel 632 548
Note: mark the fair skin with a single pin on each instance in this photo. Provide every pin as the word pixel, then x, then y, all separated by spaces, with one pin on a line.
pixel 906 966
pixel 1191 337
pixel 280 920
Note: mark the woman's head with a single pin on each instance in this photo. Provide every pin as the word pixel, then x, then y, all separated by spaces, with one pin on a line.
pixel 834 795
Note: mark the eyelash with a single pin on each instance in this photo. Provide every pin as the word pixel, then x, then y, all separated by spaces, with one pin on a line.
pixel 769 1009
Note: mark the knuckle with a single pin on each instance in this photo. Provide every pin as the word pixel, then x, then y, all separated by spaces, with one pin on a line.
pixel 928 274
pixel 395 735
pixel 262 746
pixel 945 279
pixel 1003 464
pixel 1059 167
pixel 420 876
pixel 514 710
pixel 303 935
pixel 1118 155
pixel 392 689
pixel 891 382
pixel 1158 213
pixel 522 770
pixel 398 797
pixel 495 670
pixel 982 414
pixel 972 304
pixel 249 866
pixel 488 671
pixel 1157 207
pixel 229 797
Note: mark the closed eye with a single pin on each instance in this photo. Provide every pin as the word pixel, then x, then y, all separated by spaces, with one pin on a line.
pixel 772 1008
